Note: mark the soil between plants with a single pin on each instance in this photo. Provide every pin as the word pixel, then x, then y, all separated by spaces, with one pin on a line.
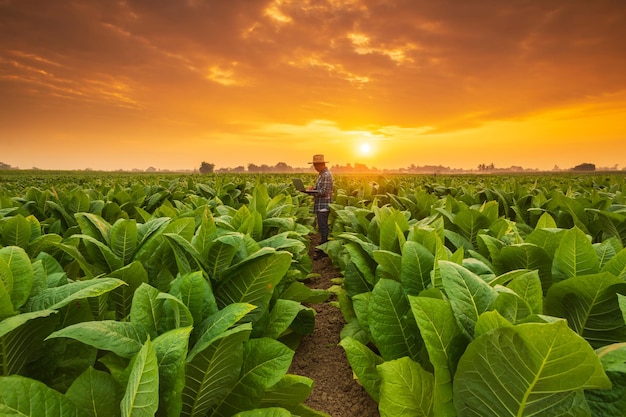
pixel 320 357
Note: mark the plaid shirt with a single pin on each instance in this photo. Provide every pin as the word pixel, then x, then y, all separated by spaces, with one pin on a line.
pixel 324 188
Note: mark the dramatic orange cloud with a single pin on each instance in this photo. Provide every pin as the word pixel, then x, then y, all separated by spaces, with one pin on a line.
pixel 136 83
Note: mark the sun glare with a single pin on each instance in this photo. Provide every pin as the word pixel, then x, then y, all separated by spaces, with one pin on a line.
pixel 366 148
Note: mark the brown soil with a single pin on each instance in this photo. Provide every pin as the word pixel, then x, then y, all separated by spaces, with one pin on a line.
pixel 320 358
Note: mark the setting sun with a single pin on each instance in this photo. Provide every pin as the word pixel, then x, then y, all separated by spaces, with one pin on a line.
pixel 366 148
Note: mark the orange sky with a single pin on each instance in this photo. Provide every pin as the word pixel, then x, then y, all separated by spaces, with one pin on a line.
pixel 123 84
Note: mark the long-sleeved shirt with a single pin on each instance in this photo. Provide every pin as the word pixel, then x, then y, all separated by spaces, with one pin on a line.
pixel 324 188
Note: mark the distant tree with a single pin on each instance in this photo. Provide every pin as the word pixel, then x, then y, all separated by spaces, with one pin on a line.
pixel 206 168
pixel 5 166
pixel 151 169
pixel 586 167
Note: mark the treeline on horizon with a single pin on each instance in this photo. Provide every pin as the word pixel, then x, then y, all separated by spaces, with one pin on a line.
pixel 357 168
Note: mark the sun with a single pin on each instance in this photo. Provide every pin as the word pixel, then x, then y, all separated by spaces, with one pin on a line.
pixel 366 148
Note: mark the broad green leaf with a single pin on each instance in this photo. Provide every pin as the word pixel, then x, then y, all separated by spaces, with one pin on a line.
pixel 124 239
pixel 58 297
pixel 133 274
pixel 146 308
pixel 22 274
pixel 171 351
pixel 95 392
pixel 123 338
pixel 147 235
pixel 524 370
pixel 298 291
pixel 545 222
pixel 389 262
pixel 289 392
pixel 16 231
pixel 617 265
pixel 221 253
pixel 25 397
pixel 610 402
pixel 527 256
pixel 253 280
pixel 469 295
pixel 196 293
pixel 391 322
pixel 528 287
pixel 176 313
pixel 282 315
pixel 265 412
pixel 445 344
pixel 265 362
pixel 26 329
pixel 470 222
pixel 95 226
pixel 590 305
pixel 416 267
pixel 511 306
pixel 490 320
pixel 104 255
pixel 213 370
pixel 406 389
pixel 218 323
pixel 141 398
pixel 363 363
pixel 575 256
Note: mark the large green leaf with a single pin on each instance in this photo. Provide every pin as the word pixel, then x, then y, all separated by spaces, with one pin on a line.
pixel 575 256
pixel 363 362
pixel 123 338
pixel 470 222
pixel 416 267
pixel 133 274
pixel 469 295
pixel 24 397
pixel 95 226
pixel 58 297
pixel 617 265
pixel 96 392
pixel 26 329
pixel 141 398
pixel 196 293
pixel 391 322
pixel 22 275
pixel 527 256
pixel 590 305
pixel 213 370
pixel 389 263
pixel 445 344
pixel 221 252
pixel 16 231
pixel 527 370
pixel 289 392
pixel 124 239
pixel 171 352
pixel 406 389
pixel 609 403
pixel 146 309
pixel 265 362
pixel 218 323
pixel 253 280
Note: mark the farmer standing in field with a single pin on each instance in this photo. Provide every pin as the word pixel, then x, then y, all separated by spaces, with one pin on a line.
pixel 322 193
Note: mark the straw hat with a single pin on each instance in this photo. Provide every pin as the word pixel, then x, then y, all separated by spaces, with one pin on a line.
pixel 318 159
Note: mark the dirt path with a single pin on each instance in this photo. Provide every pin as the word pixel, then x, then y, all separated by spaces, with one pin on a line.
pixel 320 358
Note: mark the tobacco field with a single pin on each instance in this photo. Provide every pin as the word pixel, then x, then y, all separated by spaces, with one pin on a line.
pixel 184 295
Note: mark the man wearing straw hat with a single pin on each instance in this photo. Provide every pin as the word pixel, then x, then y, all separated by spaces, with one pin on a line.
pixel 322 196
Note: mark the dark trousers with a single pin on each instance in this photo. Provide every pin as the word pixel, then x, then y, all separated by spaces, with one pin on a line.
pixel 322 225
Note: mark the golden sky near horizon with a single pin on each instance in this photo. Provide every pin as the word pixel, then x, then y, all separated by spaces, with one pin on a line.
pixel 124 84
